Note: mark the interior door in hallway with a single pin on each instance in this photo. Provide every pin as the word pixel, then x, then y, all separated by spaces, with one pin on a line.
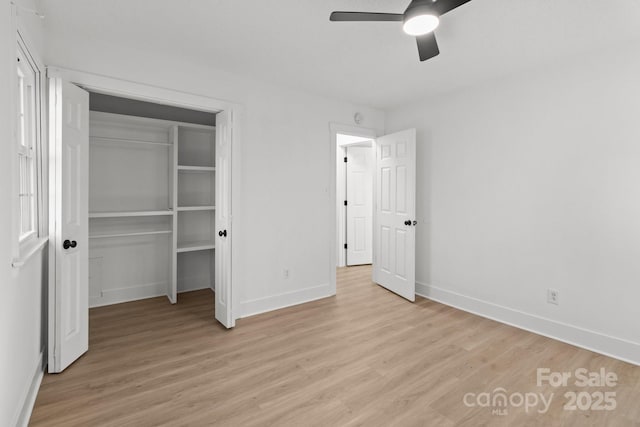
pixel 395 213
pixel 359 205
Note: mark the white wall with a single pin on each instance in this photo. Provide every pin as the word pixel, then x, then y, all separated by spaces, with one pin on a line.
pixel 283 220
pixel 21 322
pixel 532 182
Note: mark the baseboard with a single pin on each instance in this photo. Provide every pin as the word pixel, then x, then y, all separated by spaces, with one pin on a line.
pixel 29 399
pixel 131 293
pixel 182 291
pixel 193 283
pixel 287 299
pixel 617 348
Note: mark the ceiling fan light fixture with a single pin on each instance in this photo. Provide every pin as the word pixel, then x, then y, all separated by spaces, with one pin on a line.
pixel 418 25
pixel 419 19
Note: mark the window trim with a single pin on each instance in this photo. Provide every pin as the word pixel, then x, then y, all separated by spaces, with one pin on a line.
pixel 25 246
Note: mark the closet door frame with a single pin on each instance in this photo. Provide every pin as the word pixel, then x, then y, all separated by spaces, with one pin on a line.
pixel 126 89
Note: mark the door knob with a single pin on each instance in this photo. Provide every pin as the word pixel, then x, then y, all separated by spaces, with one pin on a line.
pixel 407 222
pixel 69 244
pixel 222 233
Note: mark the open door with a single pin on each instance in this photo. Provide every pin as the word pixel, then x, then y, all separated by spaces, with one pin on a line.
pixel 359 205
pixel 394 261
pixel 69 292
pixel 223 220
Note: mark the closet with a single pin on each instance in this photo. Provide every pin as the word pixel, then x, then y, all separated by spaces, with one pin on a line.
pixel 141 202
pixel 152 222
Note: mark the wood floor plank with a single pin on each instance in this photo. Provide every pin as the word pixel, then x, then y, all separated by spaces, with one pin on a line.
pixel 363 358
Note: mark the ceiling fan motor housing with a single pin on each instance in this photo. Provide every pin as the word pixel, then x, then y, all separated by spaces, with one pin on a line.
pixel 421 7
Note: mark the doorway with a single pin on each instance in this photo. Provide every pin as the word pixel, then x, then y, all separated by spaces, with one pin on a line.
pixel 354 196
pixel 393 179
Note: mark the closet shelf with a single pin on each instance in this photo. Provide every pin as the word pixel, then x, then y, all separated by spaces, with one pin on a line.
pixel 141 233
pixel 196 208
pixel 195 246
pixel 131 213
pixel 196 168
pixel 103 139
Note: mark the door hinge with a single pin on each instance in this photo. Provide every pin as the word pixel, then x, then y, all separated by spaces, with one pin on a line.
pixel 345 203
pixel 345 160
pixel 345 246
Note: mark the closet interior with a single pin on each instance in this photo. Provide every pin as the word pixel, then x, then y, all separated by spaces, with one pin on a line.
pixel 152 176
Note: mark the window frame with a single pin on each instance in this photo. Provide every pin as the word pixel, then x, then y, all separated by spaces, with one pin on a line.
pixel 28 149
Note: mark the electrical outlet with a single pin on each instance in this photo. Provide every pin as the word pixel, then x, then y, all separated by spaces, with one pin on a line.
pixel 285 273
pixel 553 296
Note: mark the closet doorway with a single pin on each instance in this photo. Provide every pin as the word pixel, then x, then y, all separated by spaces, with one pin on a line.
pixel 140 201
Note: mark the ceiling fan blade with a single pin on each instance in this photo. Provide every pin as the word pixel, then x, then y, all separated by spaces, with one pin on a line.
pixel 365 16
pixel 427 46
pixel 444 6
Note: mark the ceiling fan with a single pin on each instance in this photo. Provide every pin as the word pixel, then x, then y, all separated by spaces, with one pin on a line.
pixel 419 20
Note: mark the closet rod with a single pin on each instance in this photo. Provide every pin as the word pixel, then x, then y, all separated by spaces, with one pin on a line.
pixel 129 214
pixel 99 139
pixel 142 233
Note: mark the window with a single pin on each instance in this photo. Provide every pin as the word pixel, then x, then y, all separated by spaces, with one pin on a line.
pixel 26 140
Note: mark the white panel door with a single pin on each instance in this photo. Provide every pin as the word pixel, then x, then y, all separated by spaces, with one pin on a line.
pixel 223 220
pixel 395 213
pixel 69 317
pixel 359 205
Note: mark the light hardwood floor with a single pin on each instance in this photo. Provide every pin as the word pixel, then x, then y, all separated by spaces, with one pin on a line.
pixel 364 357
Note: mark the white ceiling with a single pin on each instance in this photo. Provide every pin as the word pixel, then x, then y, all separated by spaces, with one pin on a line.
pixel 292 42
